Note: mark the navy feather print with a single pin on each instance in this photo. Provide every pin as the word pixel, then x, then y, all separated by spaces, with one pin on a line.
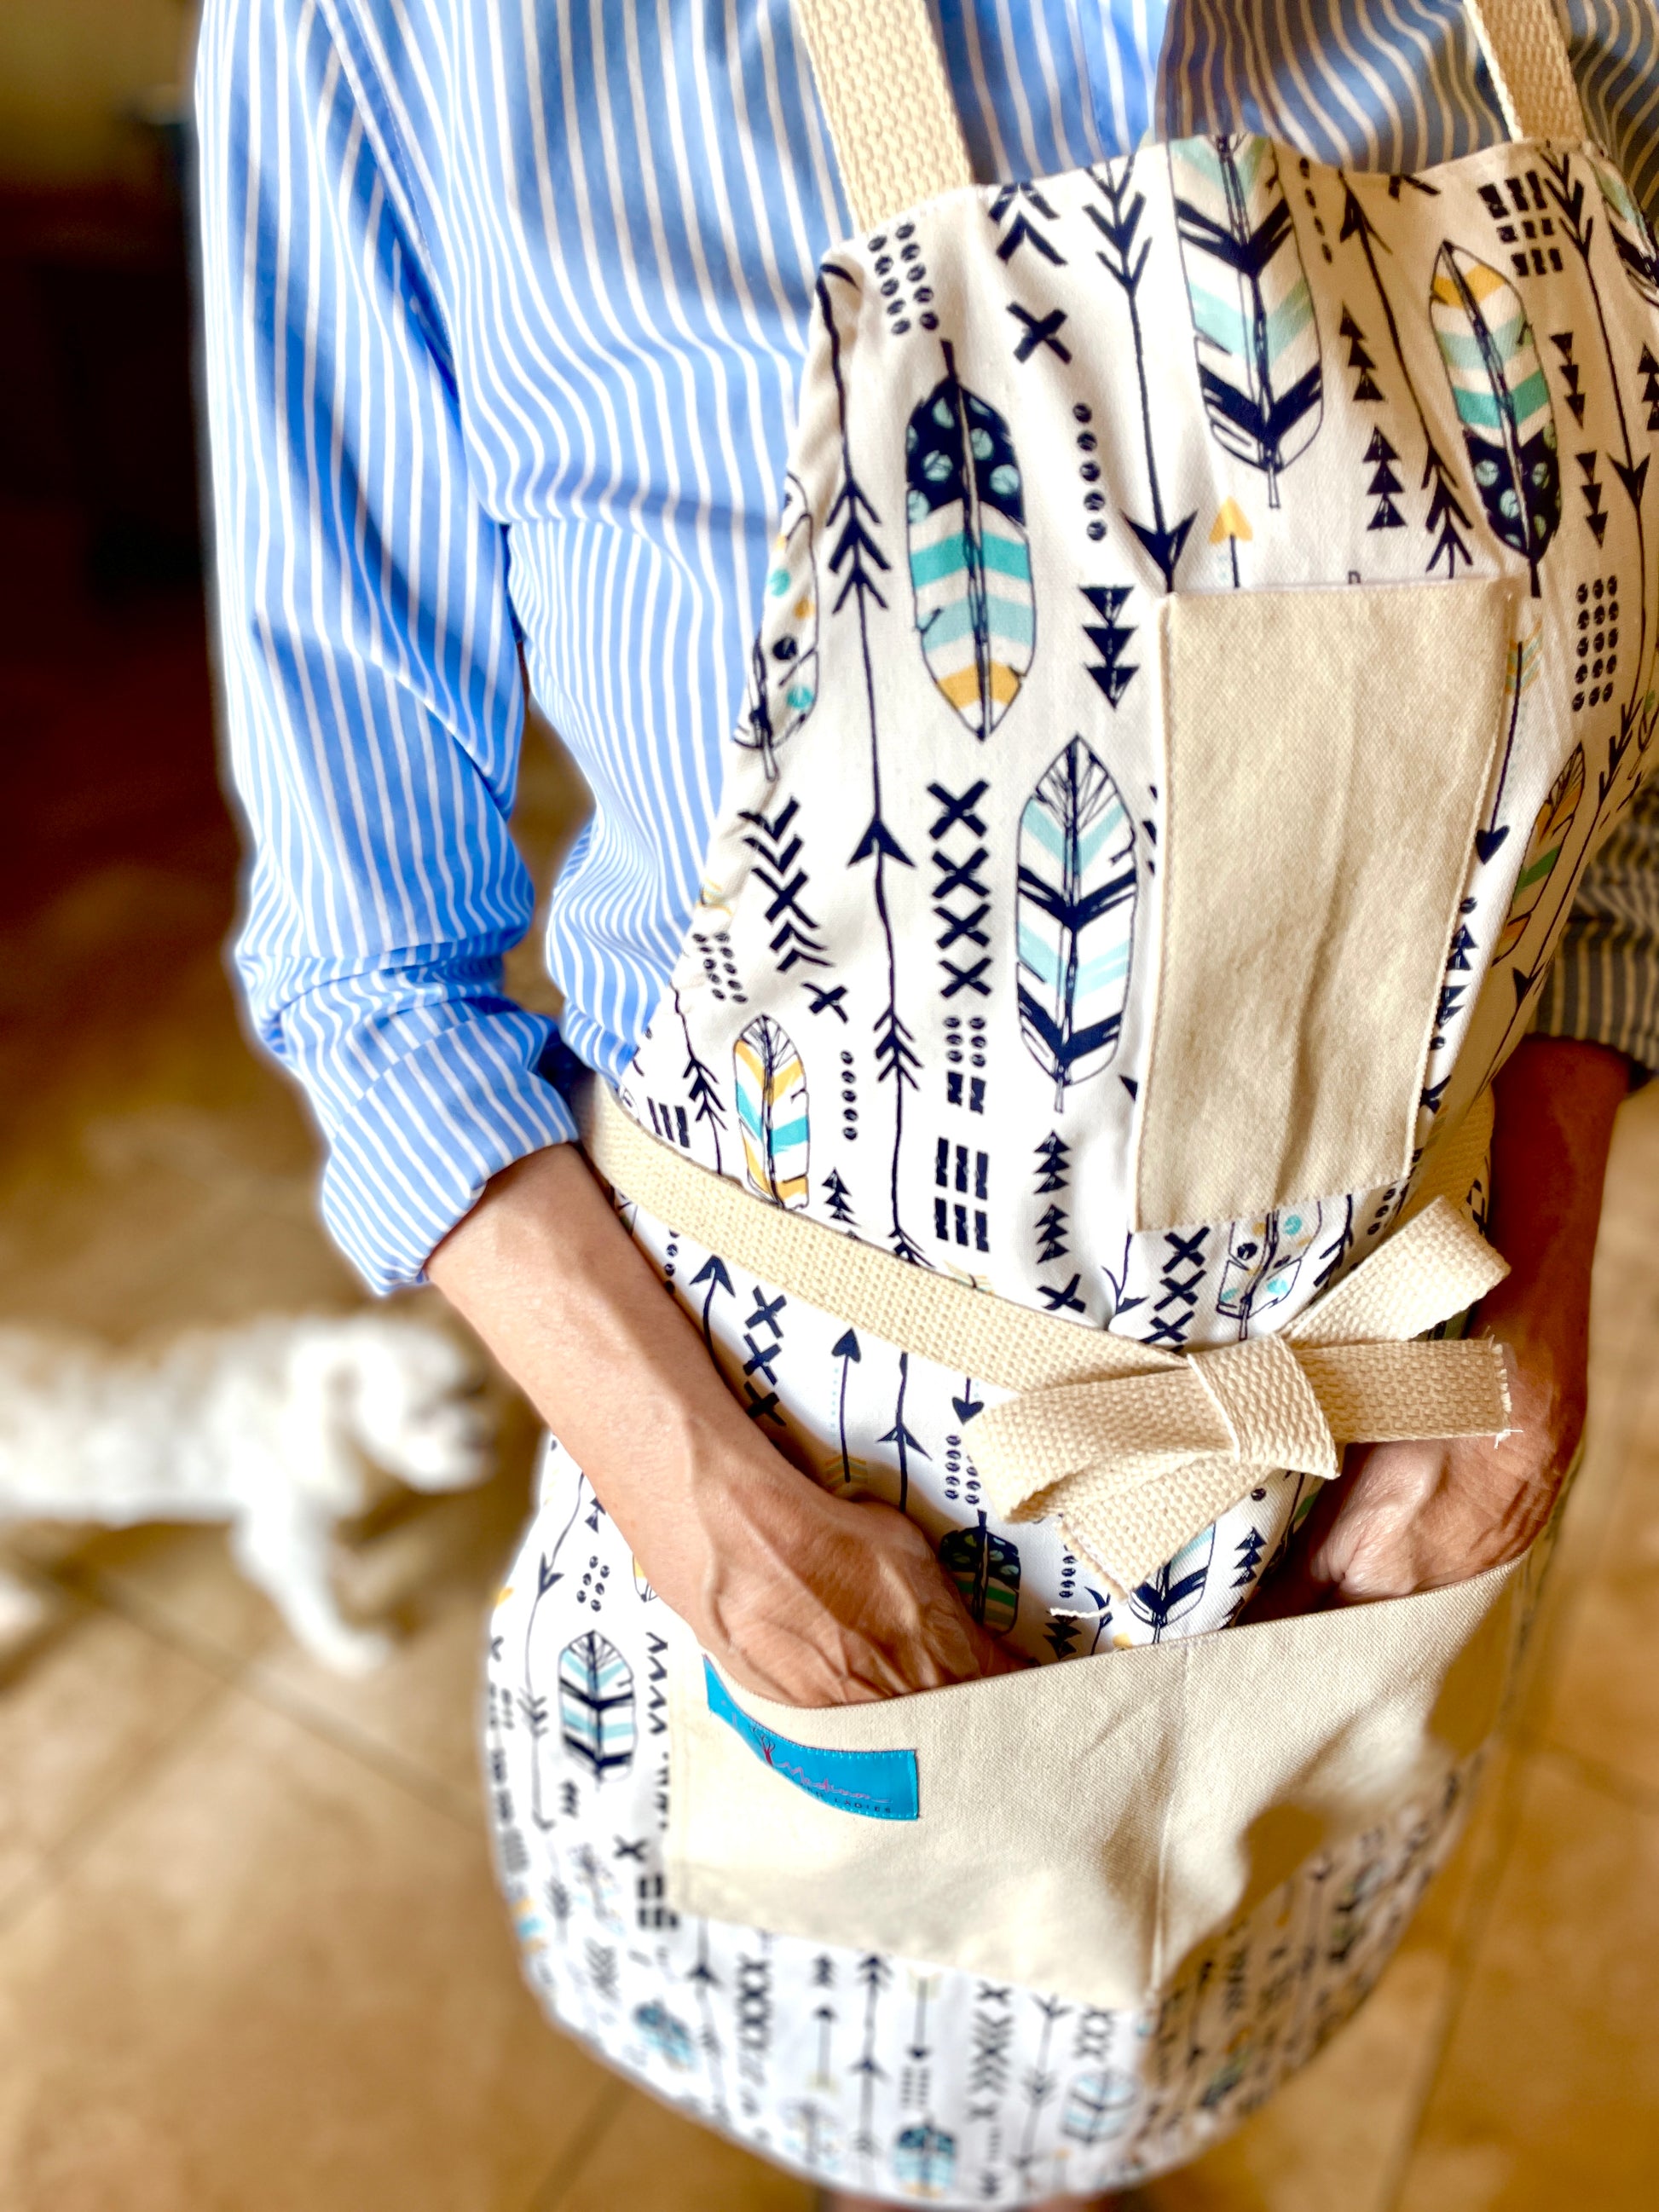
pixel 970 562
pixel 1259 365
pixel 1503 400
pixel 1076 917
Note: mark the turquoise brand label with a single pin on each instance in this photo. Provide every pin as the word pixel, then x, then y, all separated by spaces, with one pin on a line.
pixel 879 1784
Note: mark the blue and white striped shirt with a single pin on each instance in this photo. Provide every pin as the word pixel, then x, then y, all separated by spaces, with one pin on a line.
pixel 505 304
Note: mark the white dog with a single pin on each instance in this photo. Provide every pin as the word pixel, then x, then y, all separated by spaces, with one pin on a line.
pixel 274 1426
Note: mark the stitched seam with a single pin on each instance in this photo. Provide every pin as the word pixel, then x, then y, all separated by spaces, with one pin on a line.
pixel 1160 966
pixel 380 127
pixel 1477 807
pixel 1160 1884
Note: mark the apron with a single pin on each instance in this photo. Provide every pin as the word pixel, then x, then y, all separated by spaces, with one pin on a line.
pixel 1212 626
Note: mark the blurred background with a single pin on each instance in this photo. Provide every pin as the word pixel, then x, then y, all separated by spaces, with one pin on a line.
pixel 251 1955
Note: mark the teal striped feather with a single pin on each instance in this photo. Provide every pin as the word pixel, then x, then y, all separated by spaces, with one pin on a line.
pixel 970 560
pixel 985 1569
pixel 596 1704
pixel 1259 365
pixel 1076 911
pixel 1503 400
pixel 771 1084
pixel 783 665
pixel 1632 238
pixel 1171 1594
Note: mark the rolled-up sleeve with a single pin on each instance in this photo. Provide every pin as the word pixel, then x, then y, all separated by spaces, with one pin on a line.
pixel 1603 988
pixel 370 662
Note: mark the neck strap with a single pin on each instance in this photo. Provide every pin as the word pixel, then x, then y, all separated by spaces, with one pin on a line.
pixel 888 100
pixel 1526 51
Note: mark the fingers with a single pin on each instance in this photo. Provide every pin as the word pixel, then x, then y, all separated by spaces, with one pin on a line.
pixel 1423 1516
pixel 994 1658
pixel 1371 1544
pixel 903 1612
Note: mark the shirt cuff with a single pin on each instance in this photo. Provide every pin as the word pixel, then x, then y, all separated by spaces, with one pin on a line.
pixel 411 1157
pixel 1603 988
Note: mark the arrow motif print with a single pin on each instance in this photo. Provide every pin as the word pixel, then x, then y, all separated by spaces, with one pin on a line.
pixel 856 549
pixel 1502 398
pixel 1039 2084
pixel 699 1084
pixel 1447 518
pixel 777 844
pixel 1367 391
pixel 1383 483
pixel 1596 518
pixel 706 1981
pixel 846 1350
pixel 1571 374
pixel 962 902
pixel 874 1972
pixel 713 1273
pixel 1125 262
pixel 1232 529
pixel 1110 636
pixel 1568 193
pixel 1259 366
pixel 970 561
pixel 1549 836
pixel 533 1703
pixel 1521 672
pixel 899 1435
pixel 1016 200
pixel 1076 905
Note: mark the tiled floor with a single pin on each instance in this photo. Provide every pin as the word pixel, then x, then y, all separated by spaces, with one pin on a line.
pixel 251 1957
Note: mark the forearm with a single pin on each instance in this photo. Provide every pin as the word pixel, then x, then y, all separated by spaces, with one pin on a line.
pixel 1414 1516
pixel 545 1272
pixel 812 1598
pixel 1555 1104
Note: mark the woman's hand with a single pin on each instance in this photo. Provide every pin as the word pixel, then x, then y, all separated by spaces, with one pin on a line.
pixel 799 1596
pixel 1413 1516
pixel 819 1601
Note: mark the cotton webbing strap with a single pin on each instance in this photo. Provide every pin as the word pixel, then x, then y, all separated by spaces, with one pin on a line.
pixel 887 101
pixel 1526 52
pixel 1136 1448
pixel 898 141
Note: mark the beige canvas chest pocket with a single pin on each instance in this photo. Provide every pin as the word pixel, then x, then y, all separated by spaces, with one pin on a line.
pixel 1328 754
pixel 1084 1827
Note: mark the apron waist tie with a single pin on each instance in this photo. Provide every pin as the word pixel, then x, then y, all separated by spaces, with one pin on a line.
pixel 1135 1449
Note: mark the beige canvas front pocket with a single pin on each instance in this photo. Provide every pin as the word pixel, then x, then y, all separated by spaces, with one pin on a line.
pixel 1329 756
pixel 1085 1826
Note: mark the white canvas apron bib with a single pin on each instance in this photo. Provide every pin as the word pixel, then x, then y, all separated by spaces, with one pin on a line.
pixel 1213 624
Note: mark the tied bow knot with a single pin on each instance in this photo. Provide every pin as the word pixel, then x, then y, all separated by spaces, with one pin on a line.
pixel 1136 1463
pixel 1137 1450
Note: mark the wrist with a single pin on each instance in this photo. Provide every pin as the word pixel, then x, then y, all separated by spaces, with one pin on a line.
pixel 753 1523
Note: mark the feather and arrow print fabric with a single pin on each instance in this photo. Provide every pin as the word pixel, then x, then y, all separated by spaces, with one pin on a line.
pixel 1259 365
pixel 1075 905
pixel 970 562
pixel 880 939
pixel 915 998
pixel 932 908
pixel 862 2070
pixel 506 309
